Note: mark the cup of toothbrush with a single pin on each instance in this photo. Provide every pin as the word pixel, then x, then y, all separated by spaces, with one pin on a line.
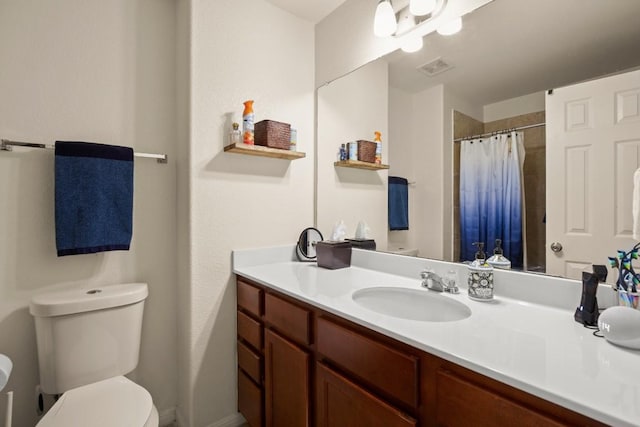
pixel 629 299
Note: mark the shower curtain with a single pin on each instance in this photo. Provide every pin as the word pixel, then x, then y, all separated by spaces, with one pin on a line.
pixel 491 196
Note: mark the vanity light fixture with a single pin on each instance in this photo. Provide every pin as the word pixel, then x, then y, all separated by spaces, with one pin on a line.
pixel 384 22
pixel 422 7
pixel 412 44
pixel 450 27
pixel 407 24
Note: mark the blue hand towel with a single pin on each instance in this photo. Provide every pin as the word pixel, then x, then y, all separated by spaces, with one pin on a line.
pixel 398 203
pixel 94 197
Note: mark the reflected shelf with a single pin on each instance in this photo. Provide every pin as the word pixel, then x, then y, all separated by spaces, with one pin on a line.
pixel 360 165
pixel 259 150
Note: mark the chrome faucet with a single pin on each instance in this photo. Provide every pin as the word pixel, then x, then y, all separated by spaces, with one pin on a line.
pixel 433 282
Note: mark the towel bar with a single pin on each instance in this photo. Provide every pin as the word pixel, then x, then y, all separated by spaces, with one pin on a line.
pixel 7 145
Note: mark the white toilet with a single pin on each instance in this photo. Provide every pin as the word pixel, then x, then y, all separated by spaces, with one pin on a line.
pixel 87 340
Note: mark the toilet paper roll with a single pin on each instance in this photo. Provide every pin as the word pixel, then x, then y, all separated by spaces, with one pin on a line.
pixel 5 370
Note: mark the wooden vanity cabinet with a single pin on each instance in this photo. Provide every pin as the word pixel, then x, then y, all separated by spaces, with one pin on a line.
pixel 301 366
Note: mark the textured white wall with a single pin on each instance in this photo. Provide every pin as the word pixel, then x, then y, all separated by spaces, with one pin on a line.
pixel 95 71
pixel 240 50
pixel 401 160
pixel 352 108
pixel 183 155
pixel 345 40
pixel 427 123
pixel 514 107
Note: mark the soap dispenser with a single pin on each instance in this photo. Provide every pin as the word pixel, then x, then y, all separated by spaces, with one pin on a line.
pixel 480 282
pixel 498 260
pixel 480 256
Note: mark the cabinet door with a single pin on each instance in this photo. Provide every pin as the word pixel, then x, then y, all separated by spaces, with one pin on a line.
pixel 286 382
pixel 340 402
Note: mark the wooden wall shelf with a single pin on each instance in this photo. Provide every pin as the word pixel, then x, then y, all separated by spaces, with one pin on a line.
pixel 259 150
pixel 360 165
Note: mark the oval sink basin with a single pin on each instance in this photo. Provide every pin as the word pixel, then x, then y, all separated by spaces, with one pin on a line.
pixel 411 304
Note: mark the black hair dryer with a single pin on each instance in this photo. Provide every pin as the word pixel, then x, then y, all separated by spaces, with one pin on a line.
pixel 587 312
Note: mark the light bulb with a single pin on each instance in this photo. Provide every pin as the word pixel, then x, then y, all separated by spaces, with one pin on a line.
pixel 411 44
pixel 421 7
pixel 384 22
pixel 450 27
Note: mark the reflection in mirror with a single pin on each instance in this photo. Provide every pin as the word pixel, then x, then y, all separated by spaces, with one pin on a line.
pixel 306 247
pixel 491 76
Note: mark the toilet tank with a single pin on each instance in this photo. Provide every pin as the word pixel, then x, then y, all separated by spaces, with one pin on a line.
pixel 87 335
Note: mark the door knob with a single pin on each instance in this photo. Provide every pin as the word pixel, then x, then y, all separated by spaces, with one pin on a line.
pixel 556 246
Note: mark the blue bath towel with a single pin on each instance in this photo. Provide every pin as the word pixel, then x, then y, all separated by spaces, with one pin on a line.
pixel 398 203
pixel 94 197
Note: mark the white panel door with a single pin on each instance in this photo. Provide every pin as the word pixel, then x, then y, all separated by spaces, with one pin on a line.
pixel 593 149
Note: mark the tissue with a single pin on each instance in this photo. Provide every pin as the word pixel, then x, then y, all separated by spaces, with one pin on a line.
pixel 5 370
pixel 339 231
pixel 363 231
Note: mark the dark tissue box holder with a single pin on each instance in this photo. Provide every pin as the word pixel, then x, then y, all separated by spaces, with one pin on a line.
pixel 333 255
pixel 368 244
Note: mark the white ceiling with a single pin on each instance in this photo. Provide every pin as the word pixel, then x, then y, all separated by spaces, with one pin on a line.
pixel 510 48
pixel 311 10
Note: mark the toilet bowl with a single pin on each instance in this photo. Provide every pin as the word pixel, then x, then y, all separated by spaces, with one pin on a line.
pixel 112 402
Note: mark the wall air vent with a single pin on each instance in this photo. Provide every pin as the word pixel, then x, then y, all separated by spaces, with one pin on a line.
pixel 434 67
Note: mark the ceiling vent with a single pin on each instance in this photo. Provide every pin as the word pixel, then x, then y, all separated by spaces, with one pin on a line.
pixel 434 67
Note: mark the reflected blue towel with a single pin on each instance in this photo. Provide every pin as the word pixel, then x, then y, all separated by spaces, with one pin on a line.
pixel 398 203
pixel 94 197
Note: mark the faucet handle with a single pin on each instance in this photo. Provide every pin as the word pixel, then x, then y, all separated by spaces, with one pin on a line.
pixel 450 281
pixel 424 274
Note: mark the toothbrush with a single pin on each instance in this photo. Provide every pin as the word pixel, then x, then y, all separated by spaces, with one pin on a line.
pixel 613 263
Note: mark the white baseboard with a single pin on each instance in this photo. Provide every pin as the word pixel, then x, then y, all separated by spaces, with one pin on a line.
pixel 180 422
pixel 167 417
pixel 234 420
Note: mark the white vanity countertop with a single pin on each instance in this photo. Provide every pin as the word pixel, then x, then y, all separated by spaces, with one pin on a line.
pixel 534 347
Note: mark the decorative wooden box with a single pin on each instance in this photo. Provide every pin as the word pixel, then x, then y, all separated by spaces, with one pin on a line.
pixel 270 133
pixel 367 151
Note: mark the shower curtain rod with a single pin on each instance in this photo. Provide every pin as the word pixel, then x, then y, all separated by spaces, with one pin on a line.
pixel 499 132
pixel 7 145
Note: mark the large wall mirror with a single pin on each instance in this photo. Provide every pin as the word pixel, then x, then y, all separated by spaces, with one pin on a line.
pixel 492 76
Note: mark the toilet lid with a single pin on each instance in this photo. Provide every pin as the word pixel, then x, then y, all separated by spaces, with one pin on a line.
pixel 116 401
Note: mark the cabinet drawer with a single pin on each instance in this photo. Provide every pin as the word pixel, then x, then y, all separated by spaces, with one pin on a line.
pixel 249 330
pixel 249 362
pixel 250 297
pixel 250 403
pixel 387 370
pixel 460 402
pixel 290 319
pixel 341 402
